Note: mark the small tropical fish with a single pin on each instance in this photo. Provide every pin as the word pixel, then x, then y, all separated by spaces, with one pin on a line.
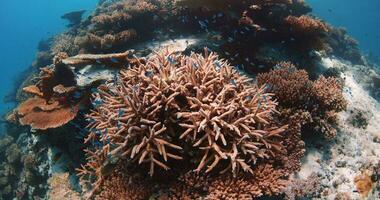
pixel 218 65
pixel 94 90
pixel 114 60
pixel 233 82
pixel 121 112
pixel 203 24
pixel 97 102
pixel 77 95
pixel 171 60
pixel 149 73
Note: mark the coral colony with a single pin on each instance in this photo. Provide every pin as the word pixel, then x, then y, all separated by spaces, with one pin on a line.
pixel 228 118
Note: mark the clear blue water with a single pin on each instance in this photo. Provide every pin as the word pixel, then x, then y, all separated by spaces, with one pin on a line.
pixel 24 23
pixel 360 18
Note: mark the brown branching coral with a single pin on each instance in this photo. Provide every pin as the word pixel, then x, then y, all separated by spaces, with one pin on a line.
pixel 306 25
pixel 196 109
pixel 124 185
pixel 267 181
pixel 320 100
pixel 219 113
pixel 117 59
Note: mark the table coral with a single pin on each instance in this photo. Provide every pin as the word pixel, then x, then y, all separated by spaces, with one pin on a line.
pixel 41 115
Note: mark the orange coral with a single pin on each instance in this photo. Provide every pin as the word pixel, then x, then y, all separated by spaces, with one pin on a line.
pixel 32 89
pixel 41 115
pixel 363 184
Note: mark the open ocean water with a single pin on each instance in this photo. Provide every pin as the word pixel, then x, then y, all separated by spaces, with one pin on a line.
pixel 23 25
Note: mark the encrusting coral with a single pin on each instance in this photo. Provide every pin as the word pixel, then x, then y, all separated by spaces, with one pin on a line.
pixel 196 109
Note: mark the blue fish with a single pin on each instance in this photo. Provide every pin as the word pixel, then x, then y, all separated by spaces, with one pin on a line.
pixel 121 112
pixel 233 82
pixel 77 95
pixel 203 24
pixel 220 14
pixel 149 73
pixel 171 60
pixel 94 90
pixel 97 102
pixel 135 87
pixel 114 60
pixel 218 65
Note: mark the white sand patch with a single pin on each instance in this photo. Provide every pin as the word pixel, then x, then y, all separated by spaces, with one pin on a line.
pixel 354 147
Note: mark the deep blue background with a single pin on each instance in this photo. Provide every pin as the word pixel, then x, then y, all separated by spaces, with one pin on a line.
pixel 24 23
pixel 361 18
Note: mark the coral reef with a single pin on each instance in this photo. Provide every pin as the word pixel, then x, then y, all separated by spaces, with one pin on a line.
pixel 61 189
pixel 196 109
pixel 50 107
pixel 319 100
pixel 181 125
pixel 37 113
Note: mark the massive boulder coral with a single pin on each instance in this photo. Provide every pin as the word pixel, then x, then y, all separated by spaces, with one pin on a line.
pixel 196 109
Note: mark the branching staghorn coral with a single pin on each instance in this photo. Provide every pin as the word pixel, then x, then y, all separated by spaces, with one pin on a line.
pixel 317 101
pixel 207 98
pixel 192 108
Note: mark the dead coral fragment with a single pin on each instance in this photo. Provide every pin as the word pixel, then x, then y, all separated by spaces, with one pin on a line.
pixel 153 108
pixel 117 59
pixel 41 115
